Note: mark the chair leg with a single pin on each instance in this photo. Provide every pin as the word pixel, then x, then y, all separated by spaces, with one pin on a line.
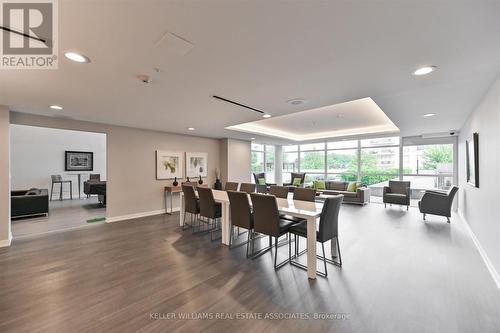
pixel 248 241
pixel 324 258
pixel 71 190
pixel 424 216
pixel 338 250
pixel 275 251
pixel 447 218
pixel 60 192
pixel 231 240
pixel 51 191
pixel 407 207
pixel 385 205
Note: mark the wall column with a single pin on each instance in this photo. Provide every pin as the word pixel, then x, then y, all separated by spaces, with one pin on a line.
pixel 5 233
pixel 278 164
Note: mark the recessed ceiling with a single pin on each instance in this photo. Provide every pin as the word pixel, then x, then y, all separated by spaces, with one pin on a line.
pixel 359 117
pixel 264 53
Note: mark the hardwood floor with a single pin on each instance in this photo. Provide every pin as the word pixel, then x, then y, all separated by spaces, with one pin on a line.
pixel 399 275
pixel 66 214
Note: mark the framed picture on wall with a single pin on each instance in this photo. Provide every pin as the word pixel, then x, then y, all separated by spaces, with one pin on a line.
pixel 169 165
pixel 196 164
pixel 78 161
pixel 472 153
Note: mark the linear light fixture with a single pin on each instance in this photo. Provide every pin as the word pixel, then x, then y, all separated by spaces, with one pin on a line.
pixel 238 104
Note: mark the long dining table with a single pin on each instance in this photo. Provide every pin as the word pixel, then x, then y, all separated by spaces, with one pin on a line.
pixel 307 210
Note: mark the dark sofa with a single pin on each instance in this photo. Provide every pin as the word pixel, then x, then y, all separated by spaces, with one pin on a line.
pixel 361 196
pixel 29 202
pixel 96 187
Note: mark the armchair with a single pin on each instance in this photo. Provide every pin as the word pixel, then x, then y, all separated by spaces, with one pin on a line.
pixel 295 175
pixel 437 203
pixel 398 193
pixel 261 175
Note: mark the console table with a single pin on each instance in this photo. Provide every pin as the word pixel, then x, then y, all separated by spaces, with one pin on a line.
pixel 169 191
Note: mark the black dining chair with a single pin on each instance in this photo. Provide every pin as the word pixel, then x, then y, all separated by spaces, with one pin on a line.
pixel 247 187
pixel 279 191
pixel 241 216
pixel 267 221
pixel 302 194
pixel 261 188
pixel 231 186
pixel 57 179
pixel 191 205
pixel 328 230
pixel 209 209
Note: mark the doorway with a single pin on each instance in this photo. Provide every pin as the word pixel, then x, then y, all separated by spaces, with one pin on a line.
pixel 58 179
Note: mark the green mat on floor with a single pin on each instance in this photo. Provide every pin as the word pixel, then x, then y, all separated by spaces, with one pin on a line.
pixel 97 219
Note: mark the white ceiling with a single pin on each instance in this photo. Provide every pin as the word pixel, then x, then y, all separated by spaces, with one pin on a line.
pixel 263 53
pixel 359 117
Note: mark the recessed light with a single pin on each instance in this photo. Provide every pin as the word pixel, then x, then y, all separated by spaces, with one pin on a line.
pixel 424 70
pixel 429 115
pixel 73 56
pixel 252 138
pixel 267 115
pixel 191 128
pixel 55 107
pixel 296 101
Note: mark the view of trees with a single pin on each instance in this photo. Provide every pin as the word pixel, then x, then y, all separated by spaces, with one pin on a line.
pixel 435 155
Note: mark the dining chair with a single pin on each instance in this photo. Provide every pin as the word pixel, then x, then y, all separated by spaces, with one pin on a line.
pixel 247 187
pixel 302 194
pixel 191 205
pixel 328 230
pixel 231 186
pixel 267 221
pixel 261 188
pixel 209 209
pixel 241 216
pixel 279 191
pixel 57 179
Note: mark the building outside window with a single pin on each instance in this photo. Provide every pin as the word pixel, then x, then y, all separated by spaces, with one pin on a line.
pixel 263 160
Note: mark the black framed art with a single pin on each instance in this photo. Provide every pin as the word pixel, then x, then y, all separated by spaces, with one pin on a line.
pixel 78 161
pixel 472 153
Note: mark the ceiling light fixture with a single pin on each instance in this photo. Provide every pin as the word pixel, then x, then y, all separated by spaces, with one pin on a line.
pixel 252 138
pixel 76 57
pixel 55 107
pixel 191 128
pixel 429 115
pixel 267 115
pixel 424 70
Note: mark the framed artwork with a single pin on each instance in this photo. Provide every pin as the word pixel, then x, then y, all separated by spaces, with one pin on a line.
pixel 472 153
pixel 196 164
pixel 169 164
pixel 78 161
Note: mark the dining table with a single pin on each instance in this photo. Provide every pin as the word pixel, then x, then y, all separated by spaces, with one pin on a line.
pixel 309 211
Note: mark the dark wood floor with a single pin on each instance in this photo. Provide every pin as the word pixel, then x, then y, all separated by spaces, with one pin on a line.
pixel 399 275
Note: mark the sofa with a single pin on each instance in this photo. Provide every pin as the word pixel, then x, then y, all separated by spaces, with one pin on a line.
pixel 29 202
pixel 361 196
pixel 96 187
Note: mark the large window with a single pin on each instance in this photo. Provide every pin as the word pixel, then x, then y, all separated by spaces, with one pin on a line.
pixel 290 161
pixel 428 166
pixel 263 160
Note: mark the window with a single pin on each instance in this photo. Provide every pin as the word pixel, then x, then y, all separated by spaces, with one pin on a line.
pixel 377 142
pixel 428 167
pixel 263 160
pixel 313 146
pixel 312 162
pixel 378 165
pixel 343 144
pixel 290 162
pixel 270 165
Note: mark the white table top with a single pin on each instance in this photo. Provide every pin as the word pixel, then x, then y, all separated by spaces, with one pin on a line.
pixel 298 208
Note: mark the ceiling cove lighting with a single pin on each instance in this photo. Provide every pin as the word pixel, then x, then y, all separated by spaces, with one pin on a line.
pixel 429 115
pixel 424 70
pixel 55 107
pixel 76 57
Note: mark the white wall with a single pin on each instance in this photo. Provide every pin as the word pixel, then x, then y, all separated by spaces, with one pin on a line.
pixel 38 152
pixel 235 160
pixel 5 234
pixel 479 206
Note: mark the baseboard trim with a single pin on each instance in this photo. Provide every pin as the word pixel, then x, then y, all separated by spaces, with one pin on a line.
pixel 6 242
pixel 482 252
pixel 138 215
